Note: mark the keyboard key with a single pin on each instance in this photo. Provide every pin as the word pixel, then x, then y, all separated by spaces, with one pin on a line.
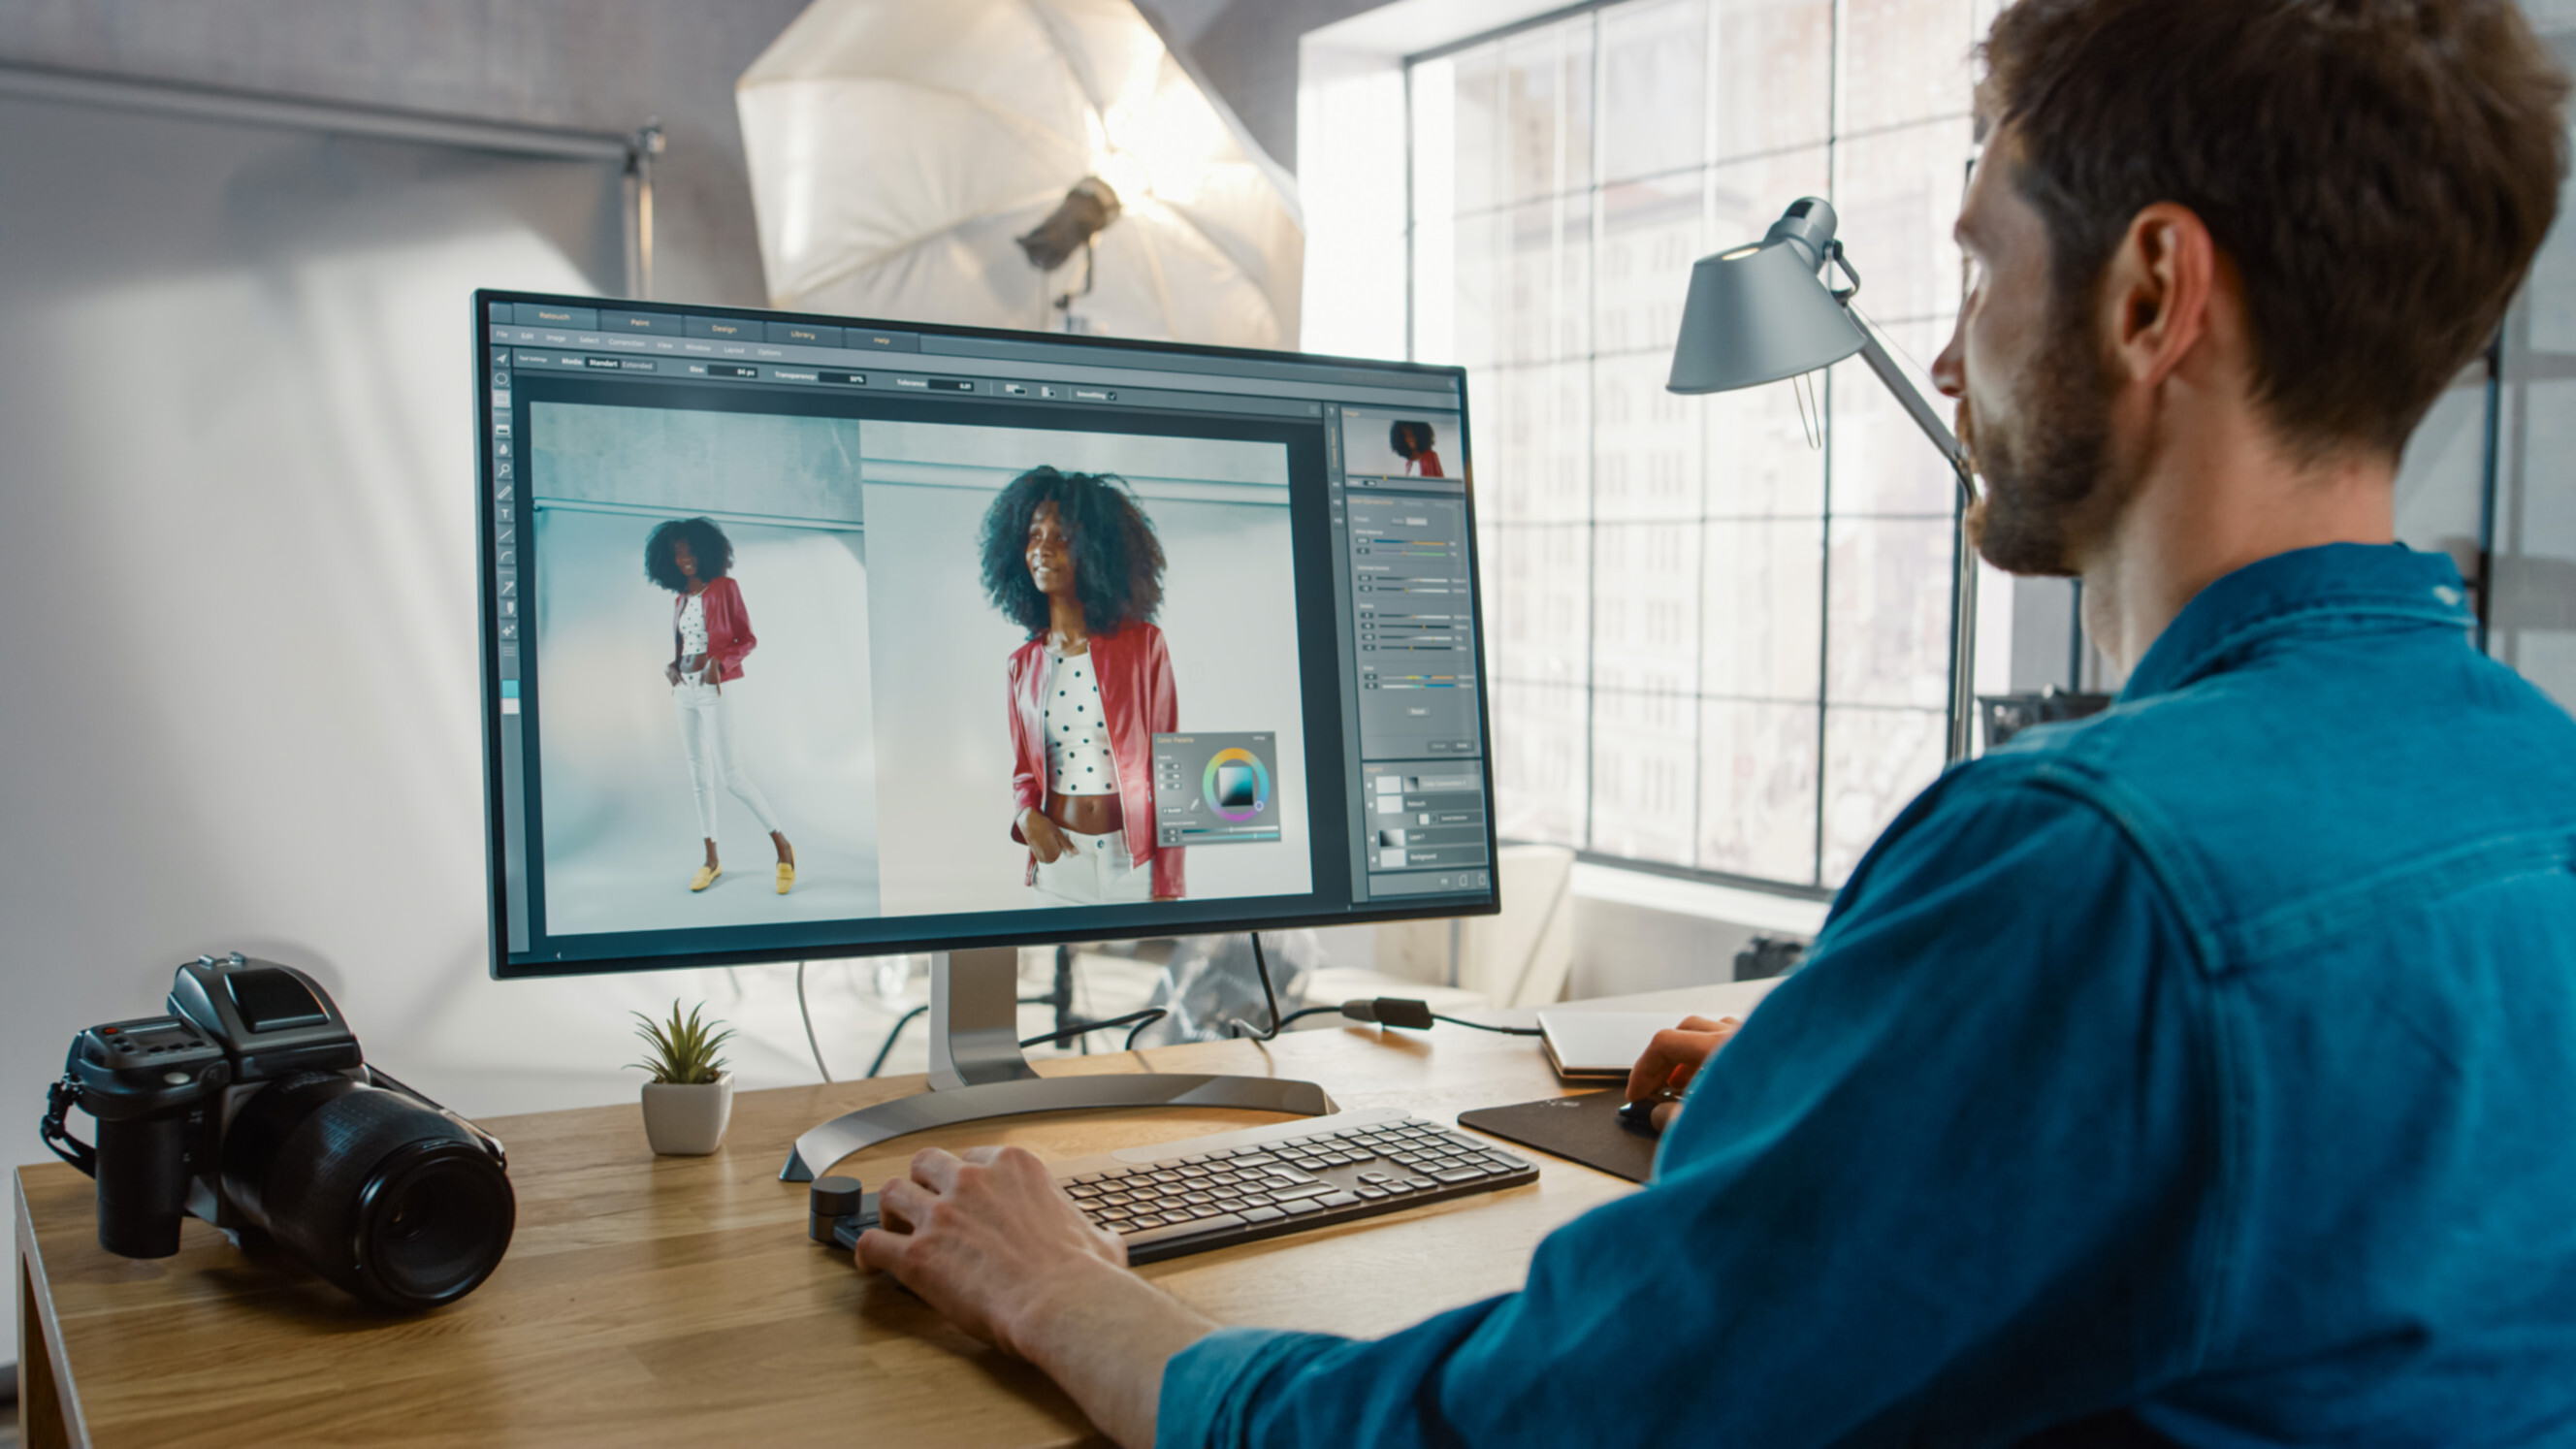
pixel 1310 1189
pixel 1338 1200
pixel 1257 1159
pixel 1372 1194
pixel 1420 1184
pixel 1182 1230
pixel 1261 1215
pixel 1459 1174
pixel 1300 1207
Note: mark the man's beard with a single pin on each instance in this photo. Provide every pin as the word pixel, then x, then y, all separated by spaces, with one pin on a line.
pixel 2052 484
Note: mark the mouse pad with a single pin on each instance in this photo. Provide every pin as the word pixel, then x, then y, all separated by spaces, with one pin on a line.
pixel 1585 1128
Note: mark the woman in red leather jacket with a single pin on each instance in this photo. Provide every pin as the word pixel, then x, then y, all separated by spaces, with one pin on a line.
pixel 1413 442
pixel 710 634
pixel 1072 559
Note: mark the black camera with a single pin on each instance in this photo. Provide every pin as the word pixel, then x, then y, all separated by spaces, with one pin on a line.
pixel 250 1106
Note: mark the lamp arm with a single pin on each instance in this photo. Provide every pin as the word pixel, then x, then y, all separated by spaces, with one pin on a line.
pixel 1963 584
pixel 1916 407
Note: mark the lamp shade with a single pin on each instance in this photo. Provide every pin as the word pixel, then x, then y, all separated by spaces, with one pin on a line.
pixel 1762 313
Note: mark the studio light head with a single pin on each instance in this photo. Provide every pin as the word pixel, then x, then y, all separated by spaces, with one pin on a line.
pixel 1085 212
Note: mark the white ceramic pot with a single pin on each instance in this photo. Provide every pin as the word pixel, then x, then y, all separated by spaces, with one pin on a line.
pixel 687 1121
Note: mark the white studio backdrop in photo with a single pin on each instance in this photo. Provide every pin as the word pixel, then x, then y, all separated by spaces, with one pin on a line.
pixel 940 647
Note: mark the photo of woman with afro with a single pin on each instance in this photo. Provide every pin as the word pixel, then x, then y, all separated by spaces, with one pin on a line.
pixel 1073 560
pixel 1412 441
pixel 710 635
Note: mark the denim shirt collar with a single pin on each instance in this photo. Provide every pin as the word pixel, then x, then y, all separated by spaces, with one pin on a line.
pixel 2354 582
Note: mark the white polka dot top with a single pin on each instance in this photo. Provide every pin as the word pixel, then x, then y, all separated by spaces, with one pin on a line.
pixel 693 626
pixel 1077 735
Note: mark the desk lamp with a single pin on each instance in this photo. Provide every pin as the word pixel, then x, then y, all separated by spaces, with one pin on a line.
pixel 1765 313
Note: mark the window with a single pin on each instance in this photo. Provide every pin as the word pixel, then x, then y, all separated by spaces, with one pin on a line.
pixel 1719 631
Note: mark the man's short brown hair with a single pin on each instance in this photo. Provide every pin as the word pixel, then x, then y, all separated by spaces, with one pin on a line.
pixel 2379 171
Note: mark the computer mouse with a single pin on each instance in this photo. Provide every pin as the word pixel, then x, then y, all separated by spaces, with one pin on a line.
pixel 1641 1115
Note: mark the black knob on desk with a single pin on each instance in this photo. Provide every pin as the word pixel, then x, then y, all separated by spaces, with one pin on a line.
pixel 836 1197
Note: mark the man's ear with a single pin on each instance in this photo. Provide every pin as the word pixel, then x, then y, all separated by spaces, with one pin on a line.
pixel 2158 291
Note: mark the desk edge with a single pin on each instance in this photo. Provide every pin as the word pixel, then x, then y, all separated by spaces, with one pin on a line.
pixel 38 1293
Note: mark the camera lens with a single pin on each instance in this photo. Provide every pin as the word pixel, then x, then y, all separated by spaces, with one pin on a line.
pixel 430 1220
pixel 384 1197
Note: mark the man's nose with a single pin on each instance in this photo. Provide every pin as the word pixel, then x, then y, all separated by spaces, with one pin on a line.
pixel 1950 369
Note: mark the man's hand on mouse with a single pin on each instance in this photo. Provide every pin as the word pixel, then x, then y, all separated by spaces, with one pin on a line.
pixel 1673 1058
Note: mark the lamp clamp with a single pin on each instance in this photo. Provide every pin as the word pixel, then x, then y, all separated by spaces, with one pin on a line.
pixel 1835 256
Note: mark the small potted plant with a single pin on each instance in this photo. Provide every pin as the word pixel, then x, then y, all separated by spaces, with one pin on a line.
pixel 690 1098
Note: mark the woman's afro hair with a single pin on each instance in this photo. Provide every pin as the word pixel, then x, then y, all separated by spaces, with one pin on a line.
pixel 707 544
pixel 1410 439
pixel 1117 561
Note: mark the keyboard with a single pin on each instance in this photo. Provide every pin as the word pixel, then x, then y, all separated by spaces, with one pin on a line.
pixel 1173 1198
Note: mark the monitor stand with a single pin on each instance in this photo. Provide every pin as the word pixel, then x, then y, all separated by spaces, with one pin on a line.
pixel 977 1071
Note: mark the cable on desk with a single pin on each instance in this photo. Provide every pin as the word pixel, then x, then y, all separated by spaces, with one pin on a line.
pixel 1140 1020
pixel 1403 1012
pixel 810 1042
pixel 1497 1030
pixel 1261 965
pixel 887 1050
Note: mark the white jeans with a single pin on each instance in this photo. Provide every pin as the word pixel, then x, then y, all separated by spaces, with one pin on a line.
pixel 706 733
pixel 1098 874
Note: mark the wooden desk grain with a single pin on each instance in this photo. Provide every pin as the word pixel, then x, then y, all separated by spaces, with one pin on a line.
pixel 665 1300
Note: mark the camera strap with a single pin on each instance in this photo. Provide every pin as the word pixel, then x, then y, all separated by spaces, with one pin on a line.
pixel 60 1098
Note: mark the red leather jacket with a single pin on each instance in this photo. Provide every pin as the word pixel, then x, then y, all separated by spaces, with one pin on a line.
pixel 1135 673
pixel 728 627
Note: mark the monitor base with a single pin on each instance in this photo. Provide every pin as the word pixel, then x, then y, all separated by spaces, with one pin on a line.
pixel 824 1145
pixel 977 1072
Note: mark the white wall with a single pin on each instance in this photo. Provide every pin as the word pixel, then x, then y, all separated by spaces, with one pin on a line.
pixel 237 558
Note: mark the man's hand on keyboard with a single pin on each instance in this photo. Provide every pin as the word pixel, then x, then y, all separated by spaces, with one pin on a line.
pixel 1674 1057
pixel 989 1240
pixel 984 1237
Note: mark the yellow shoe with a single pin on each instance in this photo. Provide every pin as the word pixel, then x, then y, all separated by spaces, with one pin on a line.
pixel 705 877
pixel 786 877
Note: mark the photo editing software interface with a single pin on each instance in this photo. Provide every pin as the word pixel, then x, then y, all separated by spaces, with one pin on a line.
pixel 808 634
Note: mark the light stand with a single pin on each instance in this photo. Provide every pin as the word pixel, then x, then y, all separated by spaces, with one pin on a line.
pixel 977 1072
pixel 1764 313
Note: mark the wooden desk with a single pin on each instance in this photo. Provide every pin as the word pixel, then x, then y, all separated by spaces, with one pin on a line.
pixel 676 1300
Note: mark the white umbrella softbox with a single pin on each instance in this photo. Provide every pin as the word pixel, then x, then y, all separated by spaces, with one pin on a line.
pixel 898 148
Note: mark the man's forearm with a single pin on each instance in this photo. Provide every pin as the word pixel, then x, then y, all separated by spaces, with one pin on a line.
pixel 1105 1336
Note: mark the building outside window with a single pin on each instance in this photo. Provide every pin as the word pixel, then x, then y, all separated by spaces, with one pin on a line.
pixel 1718 626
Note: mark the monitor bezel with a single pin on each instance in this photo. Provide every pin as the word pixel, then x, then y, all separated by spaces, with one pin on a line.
pixel 488 672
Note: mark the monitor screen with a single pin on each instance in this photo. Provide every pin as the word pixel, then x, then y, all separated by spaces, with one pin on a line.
pixel 999 638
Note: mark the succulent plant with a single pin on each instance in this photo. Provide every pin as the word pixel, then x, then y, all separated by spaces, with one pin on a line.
pixel 683 1050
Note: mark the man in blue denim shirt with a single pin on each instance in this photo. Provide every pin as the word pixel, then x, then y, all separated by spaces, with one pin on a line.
pixel 2201 1073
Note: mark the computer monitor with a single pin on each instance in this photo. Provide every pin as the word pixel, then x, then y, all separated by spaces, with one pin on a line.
pixel 935 603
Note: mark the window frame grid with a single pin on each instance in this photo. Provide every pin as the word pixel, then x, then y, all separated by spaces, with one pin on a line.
pixel 1823 703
